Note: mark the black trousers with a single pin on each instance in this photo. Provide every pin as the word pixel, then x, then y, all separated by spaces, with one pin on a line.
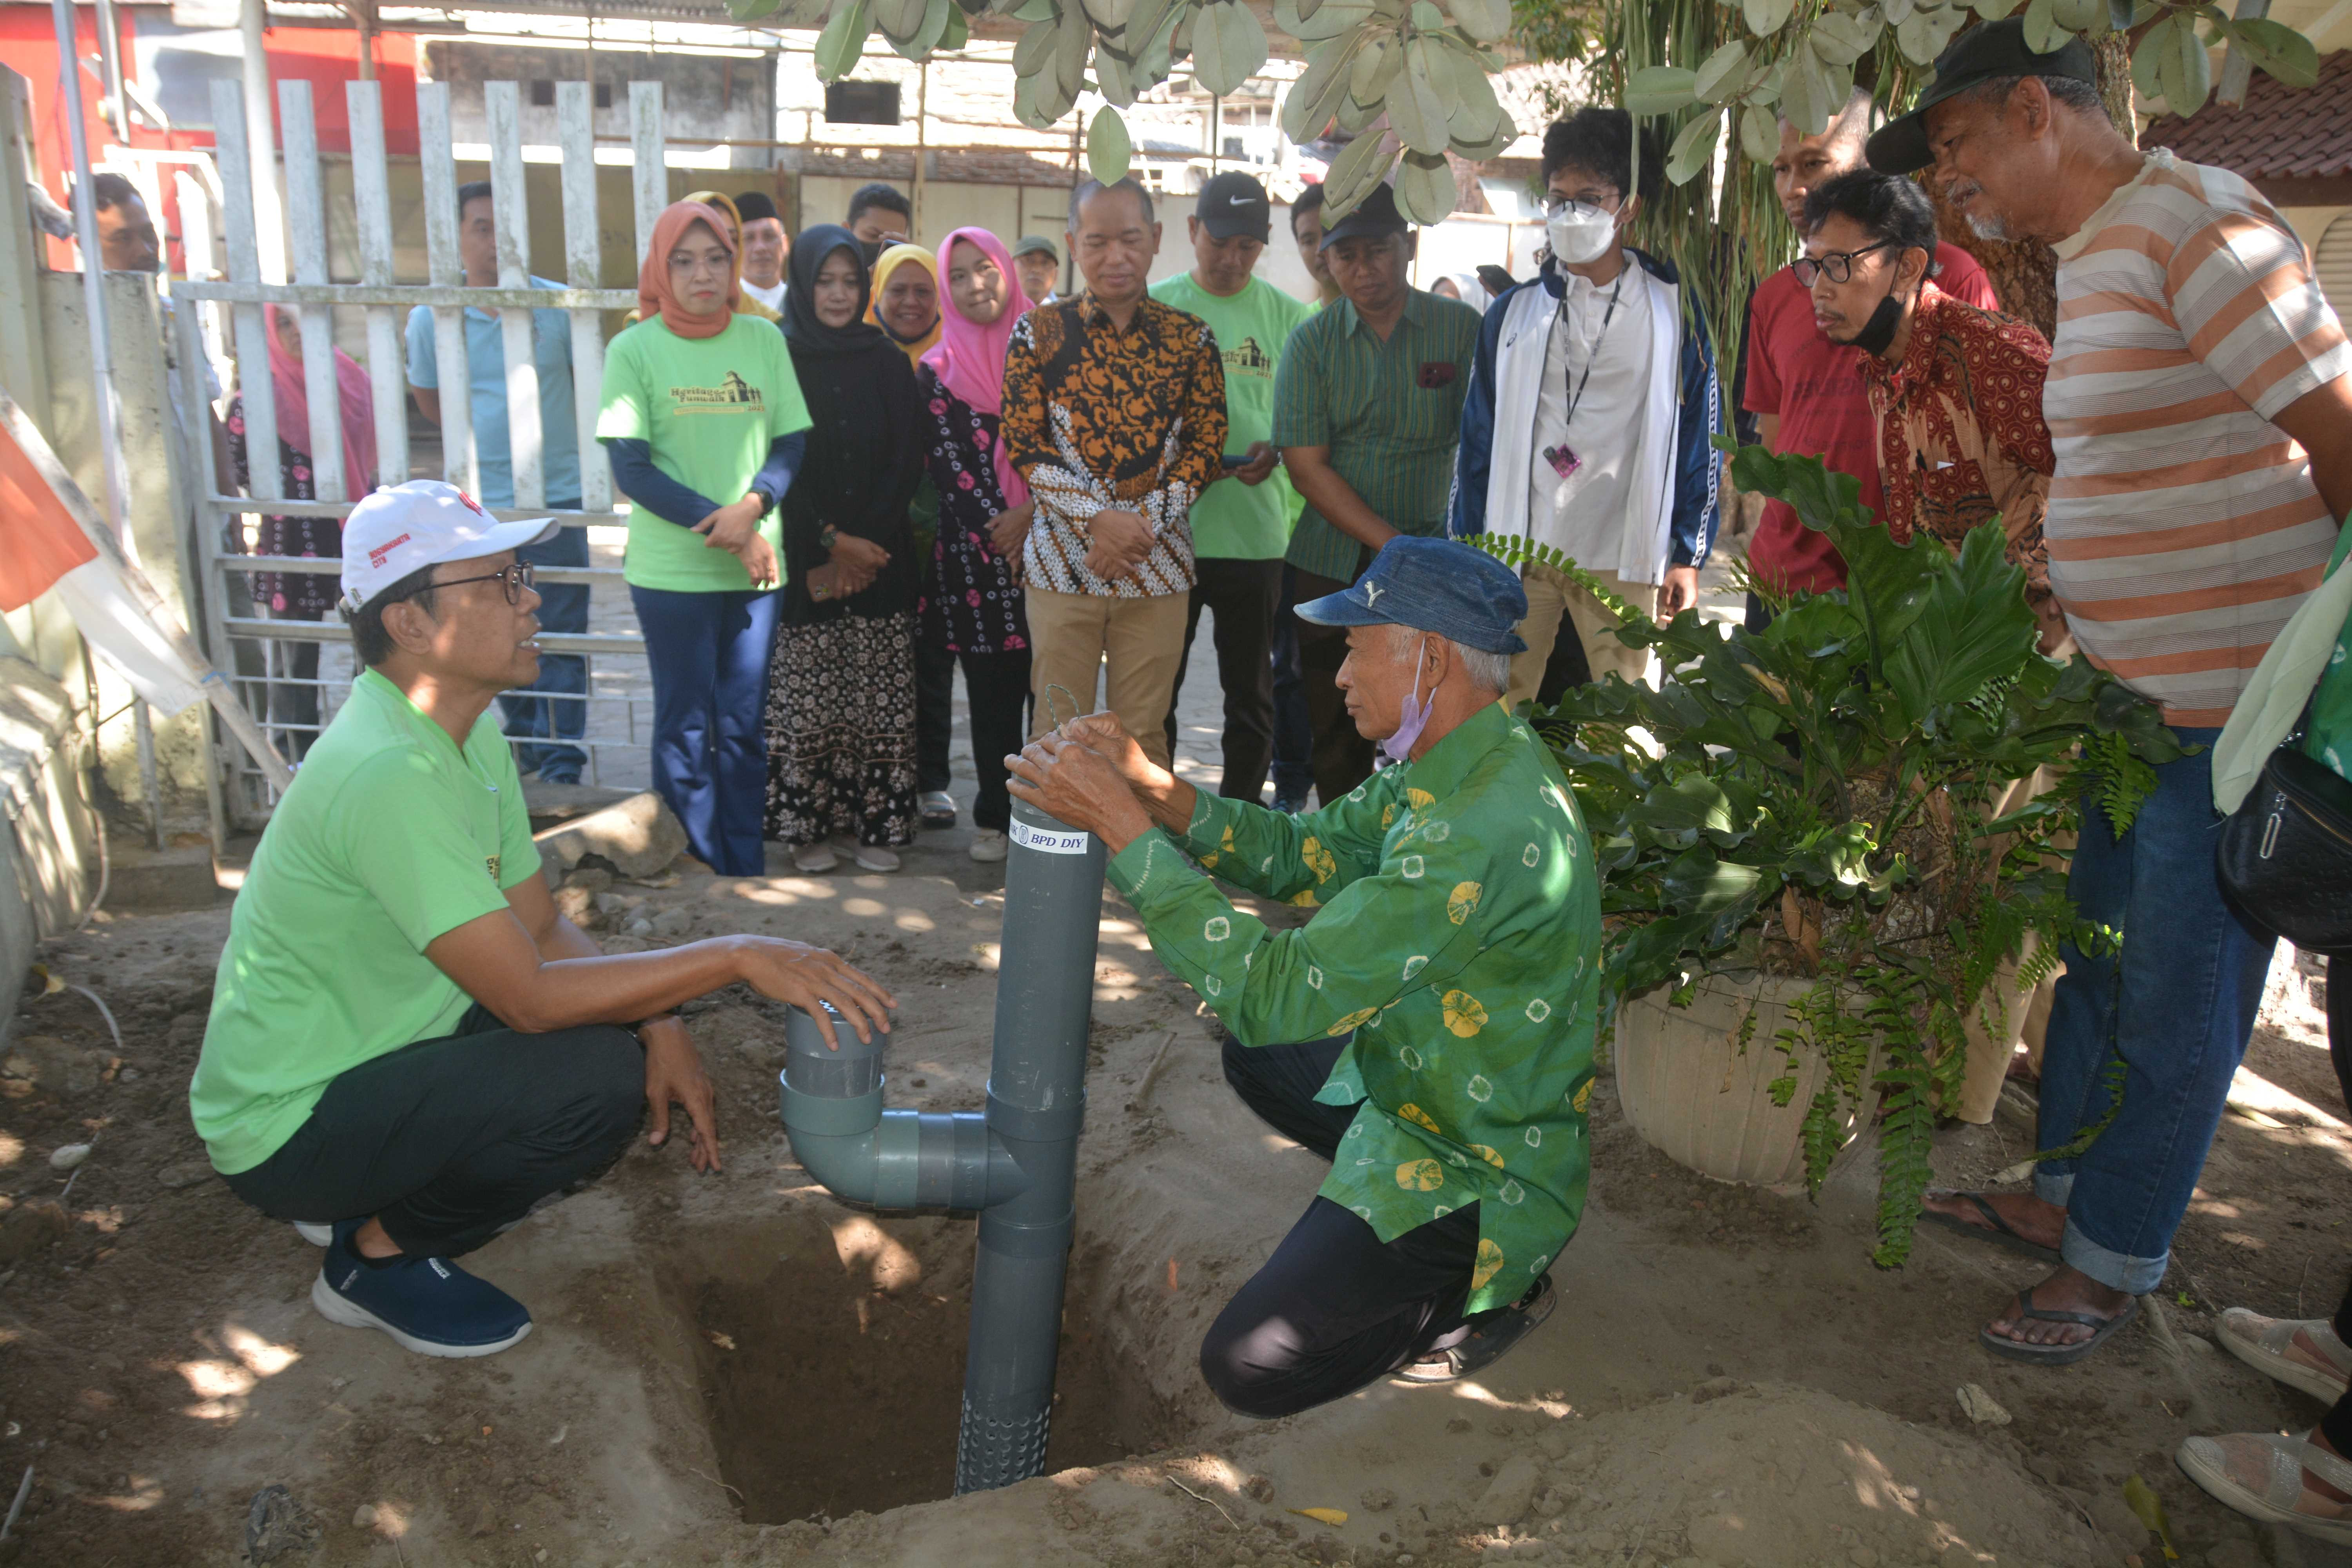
pixel 1243 595
pixel 1294 736
pixel 1343 759
pixel 1335 1307
pixel 449 1141
pixel 2337 1423
pixel 934 712
pixel 1760 614
pixel 997 689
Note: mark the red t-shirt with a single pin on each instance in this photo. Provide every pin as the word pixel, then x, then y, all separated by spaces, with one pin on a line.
pixel 1816 388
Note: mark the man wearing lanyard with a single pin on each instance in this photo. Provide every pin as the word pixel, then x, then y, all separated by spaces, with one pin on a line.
pixel 1591 402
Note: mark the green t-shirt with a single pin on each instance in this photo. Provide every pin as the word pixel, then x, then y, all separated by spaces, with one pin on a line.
pixel 1233 520
pixel 388 838
pixel 709 408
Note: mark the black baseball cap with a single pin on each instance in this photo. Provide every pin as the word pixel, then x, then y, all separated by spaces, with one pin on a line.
pixel 1232 205
pixel 1376 215
pixel 1985 52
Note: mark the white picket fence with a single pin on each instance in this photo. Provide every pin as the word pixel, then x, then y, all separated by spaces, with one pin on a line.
pixel 313 299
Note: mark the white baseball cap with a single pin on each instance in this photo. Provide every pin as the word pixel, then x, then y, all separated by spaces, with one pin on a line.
pixel 406 528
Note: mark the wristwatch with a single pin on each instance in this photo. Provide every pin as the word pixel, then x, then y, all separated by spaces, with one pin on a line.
pixel 828 536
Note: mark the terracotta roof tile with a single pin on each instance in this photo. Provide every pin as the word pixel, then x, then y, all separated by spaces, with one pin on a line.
pixel 2280 133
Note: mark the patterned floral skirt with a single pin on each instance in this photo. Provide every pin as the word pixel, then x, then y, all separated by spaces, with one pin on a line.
pixel 841 732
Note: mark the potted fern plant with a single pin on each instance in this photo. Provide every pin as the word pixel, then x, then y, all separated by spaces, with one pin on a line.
pixel 1809 881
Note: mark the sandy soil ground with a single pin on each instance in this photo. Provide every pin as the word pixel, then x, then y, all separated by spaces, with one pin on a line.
pixel 739 1369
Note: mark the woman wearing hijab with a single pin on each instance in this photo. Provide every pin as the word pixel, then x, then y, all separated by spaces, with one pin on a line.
pixel 905 303
pixel 841 702
pixel 745 305
pixel 972 603
pixel 701 403
pixel 301 596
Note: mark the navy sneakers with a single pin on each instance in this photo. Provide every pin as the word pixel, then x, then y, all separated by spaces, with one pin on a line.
pixel 428 1304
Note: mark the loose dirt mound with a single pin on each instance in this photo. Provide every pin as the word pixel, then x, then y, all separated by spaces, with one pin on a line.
pixel 1774 1477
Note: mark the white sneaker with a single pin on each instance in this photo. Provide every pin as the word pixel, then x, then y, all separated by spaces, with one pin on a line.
pixel 316 1235
pixel 814 859
pixel 989 847
pixel 875 857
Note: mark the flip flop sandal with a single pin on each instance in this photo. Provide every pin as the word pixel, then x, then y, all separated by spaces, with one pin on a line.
pixel 1496 1333
pixel 2259 1474
pixel 2057 1356
pixel 2262 1344
pixel 1995 1230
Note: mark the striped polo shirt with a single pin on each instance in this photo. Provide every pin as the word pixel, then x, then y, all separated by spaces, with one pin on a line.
pixel 1389 411
pixel 2184 528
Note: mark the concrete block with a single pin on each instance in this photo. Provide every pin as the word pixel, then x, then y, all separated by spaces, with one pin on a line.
pixel 638 836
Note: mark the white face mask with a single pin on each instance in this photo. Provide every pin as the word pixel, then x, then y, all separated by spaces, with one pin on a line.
pixel 1578 233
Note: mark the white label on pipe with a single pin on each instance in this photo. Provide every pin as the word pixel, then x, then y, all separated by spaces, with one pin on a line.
pixel 1053 841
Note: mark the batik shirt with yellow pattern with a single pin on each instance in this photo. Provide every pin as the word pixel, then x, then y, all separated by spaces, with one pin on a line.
pixel 1457 941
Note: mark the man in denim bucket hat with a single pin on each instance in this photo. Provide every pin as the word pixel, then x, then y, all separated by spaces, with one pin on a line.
pixel 1445 990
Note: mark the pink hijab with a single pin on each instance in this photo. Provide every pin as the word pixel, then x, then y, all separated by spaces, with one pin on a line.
pixel 969 358
pixel 357 398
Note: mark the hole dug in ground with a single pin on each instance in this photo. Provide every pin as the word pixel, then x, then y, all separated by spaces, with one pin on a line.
pixel 829 1354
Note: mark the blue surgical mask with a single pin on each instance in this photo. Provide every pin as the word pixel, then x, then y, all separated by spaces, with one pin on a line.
pixel 1412 717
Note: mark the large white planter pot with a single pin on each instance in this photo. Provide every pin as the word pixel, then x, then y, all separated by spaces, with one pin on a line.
pixel 1695 1097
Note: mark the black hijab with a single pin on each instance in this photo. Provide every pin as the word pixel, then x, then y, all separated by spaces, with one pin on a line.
pixel 810 337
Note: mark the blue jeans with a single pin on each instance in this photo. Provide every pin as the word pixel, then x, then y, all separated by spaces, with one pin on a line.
pixel 562 608
pixel 709 658
pixel 2176 1007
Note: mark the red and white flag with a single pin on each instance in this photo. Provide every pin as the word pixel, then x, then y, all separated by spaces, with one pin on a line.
pixel 43 549
pixel 52 540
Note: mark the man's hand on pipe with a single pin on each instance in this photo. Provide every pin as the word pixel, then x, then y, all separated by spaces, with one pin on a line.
pixel 674 1072
pixel 805 976
pixel 1076 784
pixel 1102 734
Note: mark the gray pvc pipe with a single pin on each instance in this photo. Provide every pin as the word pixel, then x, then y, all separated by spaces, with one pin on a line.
pixel 831 1108
pixel 1016 1164
pixel 1037 1101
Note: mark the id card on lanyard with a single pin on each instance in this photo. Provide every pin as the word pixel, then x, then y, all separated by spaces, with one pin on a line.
pixel 1562 457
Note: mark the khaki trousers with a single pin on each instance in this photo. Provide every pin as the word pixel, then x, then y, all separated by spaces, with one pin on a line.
pixel 1549 592
pixel 1135 645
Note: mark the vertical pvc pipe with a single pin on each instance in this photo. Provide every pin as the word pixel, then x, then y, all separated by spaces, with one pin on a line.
pixel 1037 1101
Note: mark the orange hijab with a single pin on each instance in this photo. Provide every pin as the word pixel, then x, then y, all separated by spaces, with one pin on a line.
pixel 653 277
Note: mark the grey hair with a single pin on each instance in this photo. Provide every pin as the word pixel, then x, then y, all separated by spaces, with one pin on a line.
pixel 1088 189
pixel 2080 96
pixel 1488 672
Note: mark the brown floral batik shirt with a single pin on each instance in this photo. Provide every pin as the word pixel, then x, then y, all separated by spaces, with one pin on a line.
pixel 1098 418
pixel 1960 437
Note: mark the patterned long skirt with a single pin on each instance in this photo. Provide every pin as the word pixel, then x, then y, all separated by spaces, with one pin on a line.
pixel 841 732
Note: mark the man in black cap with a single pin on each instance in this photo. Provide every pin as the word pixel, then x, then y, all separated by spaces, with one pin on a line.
pixel 1367 412
pixel 2199 404
pixel 1241 524
pixel 765 247
pixel 1445 994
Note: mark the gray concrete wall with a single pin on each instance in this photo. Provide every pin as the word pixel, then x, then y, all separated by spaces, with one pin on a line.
pixel 49 854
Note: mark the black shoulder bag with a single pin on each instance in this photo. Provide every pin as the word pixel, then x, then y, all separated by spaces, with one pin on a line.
pixel 2284 857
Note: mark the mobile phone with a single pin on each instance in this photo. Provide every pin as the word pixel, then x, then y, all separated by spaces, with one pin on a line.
pixel 1235 460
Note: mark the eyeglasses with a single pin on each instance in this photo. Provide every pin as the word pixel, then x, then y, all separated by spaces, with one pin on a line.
pixel 1554 206
pixel 1837 265
pixel 516 578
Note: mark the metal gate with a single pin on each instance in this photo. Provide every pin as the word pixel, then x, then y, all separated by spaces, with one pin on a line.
pixel 244 640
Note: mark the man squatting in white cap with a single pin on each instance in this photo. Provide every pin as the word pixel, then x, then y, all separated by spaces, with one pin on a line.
pixel 409 1047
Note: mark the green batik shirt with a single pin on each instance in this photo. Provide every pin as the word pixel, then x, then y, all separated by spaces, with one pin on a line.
pixel 1458 939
